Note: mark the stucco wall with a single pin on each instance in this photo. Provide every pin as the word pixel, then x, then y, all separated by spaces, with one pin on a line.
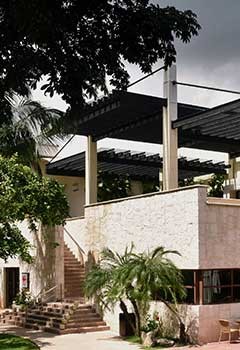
pixel 208 319
pixel 170 325
pixel 219 233
pixel 47 268
pixel 169 219
pixel 75 236
pixel 75 192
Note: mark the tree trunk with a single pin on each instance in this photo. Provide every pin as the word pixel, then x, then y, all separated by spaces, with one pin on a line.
pixel 138 317
pixel 183 336
pixel 124 309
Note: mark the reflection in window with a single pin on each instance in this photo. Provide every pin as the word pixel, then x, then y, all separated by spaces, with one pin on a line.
pixel 221 286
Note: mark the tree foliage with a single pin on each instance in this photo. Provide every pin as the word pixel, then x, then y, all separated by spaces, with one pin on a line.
pixel 135 277
pixel 25 195
pixel 216 185
pixel 29 126
pixel 112 186
pixel 76 44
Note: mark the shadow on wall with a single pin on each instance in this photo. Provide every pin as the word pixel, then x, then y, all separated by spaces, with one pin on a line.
pixel 91 261
pixel 44 265
pixel 170 324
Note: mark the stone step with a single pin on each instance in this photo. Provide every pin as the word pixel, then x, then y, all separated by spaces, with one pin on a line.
pixel 72 265
pixel 50 312
pixel 74 273
pixel 73 284
pixel 85 329
pixel 73 324
pixel 74 293
pixel 88 317
pixel 43 317
pixel 77 301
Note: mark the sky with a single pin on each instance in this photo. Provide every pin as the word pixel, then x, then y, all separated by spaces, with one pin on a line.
pixel 210 59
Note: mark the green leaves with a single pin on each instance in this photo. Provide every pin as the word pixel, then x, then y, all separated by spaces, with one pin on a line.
pixel 12 243
pixel 25 195
pixel 89 41
pixel 112 186
pixel 27 127
pixel 138 277
pixel 216 184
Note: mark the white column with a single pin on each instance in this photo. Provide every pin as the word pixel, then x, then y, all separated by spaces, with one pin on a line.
pixel 91 172
pixel 170 135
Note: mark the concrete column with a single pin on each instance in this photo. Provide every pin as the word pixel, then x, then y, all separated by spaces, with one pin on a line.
pixel 170 135
pixel 231 183
pixel 91 172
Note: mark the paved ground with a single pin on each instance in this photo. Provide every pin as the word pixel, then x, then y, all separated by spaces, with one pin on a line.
pixel 88 341
pixel 95 341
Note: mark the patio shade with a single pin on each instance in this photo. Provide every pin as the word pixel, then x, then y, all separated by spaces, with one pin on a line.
pixel 128 116
pixel 138 165
pixel 137 117
pixel 217 129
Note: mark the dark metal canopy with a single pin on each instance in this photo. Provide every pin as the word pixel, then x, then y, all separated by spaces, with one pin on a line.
pixel 217 128
pixel 128 116
pixel 136 117
pixel 137 165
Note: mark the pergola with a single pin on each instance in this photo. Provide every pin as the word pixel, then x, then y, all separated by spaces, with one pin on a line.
pixel 137 117
pixel 138 165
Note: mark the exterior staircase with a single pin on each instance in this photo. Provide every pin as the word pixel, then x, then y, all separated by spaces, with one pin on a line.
pixel 72 315
pixel 58 318
pixel 74 276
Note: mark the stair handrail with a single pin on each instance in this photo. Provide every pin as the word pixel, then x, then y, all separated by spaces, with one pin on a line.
pixel 81 251
pixel 43 293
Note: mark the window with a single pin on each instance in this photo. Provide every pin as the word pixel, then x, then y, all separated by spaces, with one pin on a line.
pixel 221 286
pixel 189 281
pixel 217 286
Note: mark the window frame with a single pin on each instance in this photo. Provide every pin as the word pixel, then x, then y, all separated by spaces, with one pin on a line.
pixel 198 286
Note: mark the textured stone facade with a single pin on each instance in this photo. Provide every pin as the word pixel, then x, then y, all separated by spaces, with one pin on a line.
pixel 205 232
pixel 169 219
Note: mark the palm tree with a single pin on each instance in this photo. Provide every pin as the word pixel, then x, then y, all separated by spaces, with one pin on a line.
pixel 136 277
pixel 27 126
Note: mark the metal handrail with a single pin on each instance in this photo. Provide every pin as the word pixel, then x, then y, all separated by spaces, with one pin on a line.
pixel 81 251
pixel 43 293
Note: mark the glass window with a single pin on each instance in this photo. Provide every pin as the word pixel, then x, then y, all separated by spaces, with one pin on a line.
pixel 188 281
pixel 236 277
pixel 221 286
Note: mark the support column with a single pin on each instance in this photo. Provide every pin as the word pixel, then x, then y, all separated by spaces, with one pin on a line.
pixel 91 172
pixel 231 183
pixel 170 135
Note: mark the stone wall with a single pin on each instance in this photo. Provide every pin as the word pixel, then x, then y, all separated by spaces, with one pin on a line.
pixel 47 269
pixel 219 233
pixel 168 219
pixel 209 315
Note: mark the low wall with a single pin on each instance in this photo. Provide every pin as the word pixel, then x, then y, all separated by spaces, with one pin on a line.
pixel 168 219
pixel 209 315
pixel 219 233
pixel 170 325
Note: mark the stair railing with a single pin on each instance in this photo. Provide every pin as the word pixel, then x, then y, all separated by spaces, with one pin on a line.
pixel 80 250
pixel 45 295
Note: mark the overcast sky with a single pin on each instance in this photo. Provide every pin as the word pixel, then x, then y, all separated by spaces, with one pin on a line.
pixel 211 59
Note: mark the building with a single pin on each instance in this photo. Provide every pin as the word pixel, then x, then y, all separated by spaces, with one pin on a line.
pixel 204 230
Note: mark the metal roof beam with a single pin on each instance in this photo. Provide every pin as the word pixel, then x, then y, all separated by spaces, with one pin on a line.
pixel 199 118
